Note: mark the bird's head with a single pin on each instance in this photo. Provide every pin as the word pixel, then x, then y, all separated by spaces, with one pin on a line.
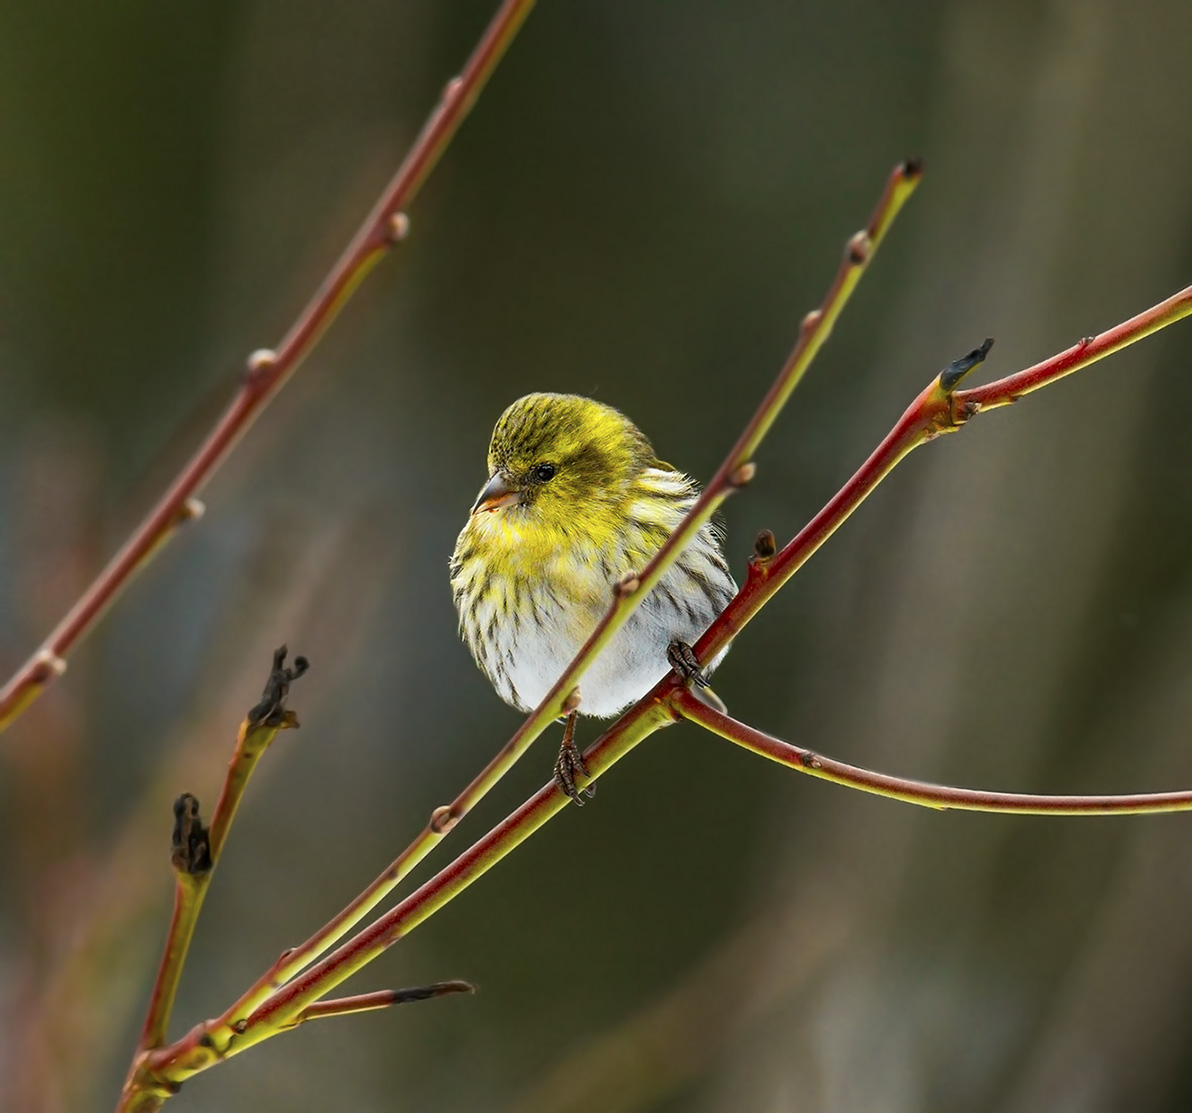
pixel 562 461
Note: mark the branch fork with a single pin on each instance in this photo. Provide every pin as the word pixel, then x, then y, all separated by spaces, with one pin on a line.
pixel 295 988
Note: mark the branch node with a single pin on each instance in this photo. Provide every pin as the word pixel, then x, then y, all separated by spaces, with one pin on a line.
pixel 397 227
pixel 627 585
pixel 271 711
pixel 190 845
pixel 764 547
pixel 811 321
pixel 442 819
pixel 742 475
pixel 572 701
pixel 810 760
pixel 951 376
pixel 48 664
pixel 1087 340
pixel 452 88
pixel 860 247
pixel 192 510
pixel 259 362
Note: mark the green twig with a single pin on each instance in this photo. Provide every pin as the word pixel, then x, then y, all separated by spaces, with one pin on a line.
pixel 939 409
pixel 736 470
pixel 194 855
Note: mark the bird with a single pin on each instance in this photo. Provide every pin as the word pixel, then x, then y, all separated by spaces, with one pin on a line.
pixel 576 501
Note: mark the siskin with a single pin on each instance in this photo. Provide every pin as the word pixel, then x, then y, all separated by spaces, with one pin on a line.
pixel 576 500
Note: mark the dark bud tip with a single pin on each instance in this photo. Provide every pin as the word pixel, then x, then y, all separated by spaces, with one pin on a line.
pixel 912 168
pixel 426 992
pixel 190 846
pixel 271 711
pixel 951 376
pixel 764 545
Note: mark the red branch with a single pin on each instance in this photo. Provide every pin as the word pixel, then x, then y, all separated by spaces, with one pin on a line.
pixel 937 410
pixel 381 999
pixel 734 472
pixel 268 370
pixel 942 797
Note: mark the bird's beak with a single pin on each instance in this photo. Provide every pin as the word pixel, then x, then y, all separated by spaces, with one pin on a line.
pixel 496 493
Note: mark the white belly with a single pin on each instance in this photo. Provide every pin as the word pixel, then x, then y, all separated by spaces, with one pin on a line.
pixel 524 659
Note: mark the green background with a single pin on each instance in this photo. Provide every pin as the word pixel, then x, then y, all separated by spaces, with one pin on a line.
pixel 645 202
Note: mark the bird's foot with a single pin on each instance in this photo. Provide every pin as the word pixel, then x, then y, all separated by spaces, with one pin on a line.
pixel 683 660
pixel 569 763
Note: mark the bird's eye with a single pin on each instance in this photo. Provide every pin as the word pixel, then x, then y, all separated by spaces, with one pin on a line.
pixel 543 472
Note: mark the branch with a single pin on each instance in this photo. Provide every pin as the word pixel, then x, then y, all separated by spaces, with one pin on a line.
pixel 1092 348
pixel 196 849
pixel 381 999
pixel 268 370
pixel 941 408
pixel 207 1044
pixel 939 797
pixel 736 471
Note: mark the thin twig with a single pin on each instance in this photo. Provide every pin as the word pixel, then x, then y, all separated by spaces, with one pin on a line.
pixel 938 409
pixel 273 1003
pixel 197 850
pixel 937 797
pixel 205 1045
pixel 381 999
pixel 733 473
pixel 268 370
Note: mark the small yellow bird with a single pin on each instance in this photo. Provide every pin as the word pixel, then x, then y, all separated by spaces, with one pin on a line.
pixel 575 501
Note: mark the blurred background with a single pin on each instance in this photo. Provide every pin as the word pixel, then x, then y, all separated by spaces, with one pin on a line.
pixel 646 200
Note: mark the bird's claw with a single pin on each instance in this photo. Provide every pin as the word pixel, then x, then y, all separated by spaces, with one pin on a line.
pixel 683 660
pixel 570 762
